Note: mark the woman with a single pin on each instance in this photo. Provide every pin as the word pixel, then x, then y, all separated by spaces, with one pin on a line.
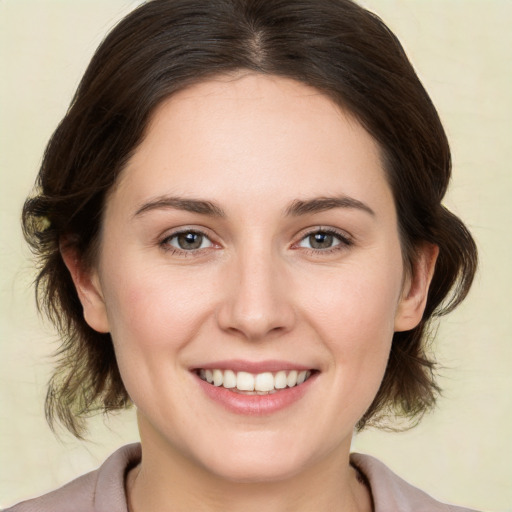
pixel 241 232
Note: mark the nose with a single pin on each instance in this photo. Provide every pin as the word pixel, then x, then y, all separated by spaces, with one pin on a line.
pixel 256 303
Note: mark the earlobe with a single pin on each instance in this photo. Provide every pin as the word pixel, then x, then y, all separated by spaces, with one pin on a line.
pixel 414 294
pixel 88 288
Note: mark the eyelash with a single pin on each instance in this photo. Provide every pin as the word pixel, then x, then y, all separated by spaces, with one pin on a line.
pixel 344 239
pixel 344 242
pixel 166 246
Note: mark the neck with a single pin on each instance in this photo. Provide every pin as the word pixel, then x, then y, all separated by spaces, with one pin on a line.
pixel 167 480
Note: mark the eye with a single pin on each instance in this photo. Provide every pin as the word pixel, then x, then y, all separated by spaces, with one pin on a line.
pixel 188 241
pixel 323 240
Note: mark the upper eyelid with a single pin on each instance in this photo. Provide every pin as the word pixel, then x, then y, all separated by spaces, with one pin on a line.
pixel 345 236
pixel 325 229
pixel 170 233
pixel 346 240
pixel 184 231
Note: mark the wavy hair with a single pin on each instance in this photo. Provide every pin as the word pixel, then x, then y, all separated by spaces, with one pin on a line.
pixel 336 46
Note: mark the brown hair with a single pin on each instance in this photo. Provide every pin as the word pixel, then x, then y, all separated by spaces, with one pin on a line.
pixel 163 46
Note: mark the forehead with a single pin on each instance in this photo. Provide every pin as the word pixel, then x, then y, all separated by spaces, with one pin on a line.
pixel 249 136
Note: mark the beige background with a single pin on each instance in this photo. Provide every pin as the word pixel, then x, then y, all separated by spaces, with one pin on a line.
pixel 462 51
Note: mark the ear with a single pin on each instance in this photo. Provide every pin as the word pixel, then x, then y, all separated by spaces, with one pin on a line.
pixel 414 292
pixel 88 288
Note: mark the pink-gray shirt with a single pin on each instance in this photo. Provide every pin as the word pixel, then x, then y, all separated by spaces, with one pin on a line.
pixel 103 490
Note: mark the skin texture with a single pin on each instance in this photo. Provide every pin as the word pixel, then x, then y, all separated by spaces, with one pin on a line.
pixel 255 290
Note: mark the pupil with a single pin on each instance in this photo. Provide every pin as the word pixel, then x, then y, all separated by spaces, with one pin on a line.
pixel 320 240
pixel 190 240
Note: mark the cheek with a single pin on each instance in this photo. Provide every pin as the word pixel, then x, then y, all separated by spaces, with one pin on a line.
pixel 354 311
pixel 357 302
pixel 152 317
pixel 155 310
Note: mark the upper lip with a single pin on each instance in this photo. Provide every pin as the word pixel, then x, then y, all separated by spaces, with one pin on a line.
pixel 255 367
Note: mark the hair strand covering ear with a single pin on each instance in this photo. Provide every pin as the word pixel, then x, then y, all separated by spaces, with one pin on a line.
pixel 163 46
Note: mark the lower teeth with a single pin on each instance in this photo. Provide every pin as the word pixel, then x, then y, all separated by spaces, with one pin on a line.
pixel 235 390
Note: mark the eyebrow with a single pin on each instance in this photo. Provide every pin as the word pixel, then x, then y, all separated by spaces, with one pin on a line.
pixel 295 209
pixel 178 203
pixel 320 204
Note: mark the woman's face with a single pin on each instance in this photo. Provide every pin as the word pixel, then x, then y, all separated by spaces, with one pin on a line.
pixel 251 238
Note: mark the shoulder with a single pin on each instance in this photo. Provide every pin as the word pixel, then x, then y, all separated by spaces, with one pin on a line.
pixel 101 490
pixel 392 493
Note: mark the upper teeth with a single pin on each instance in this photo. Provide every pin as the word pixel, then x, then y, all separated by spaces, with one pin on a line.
pixel 264 382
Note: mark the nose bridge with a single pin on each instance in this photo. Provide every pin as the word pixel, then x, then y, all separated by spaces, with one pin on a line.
pixel 257 303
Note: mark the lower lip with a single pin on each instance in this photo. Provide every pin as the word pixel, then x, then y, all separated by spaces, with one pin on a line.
pixel 256 405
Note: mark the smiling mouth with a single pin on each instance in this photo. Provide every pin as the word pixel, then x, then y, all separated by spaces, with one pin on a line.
pixel 265 383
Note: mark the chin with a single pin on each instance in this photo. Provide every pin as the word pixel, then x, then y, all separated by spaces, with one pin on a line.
pixel 258 459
